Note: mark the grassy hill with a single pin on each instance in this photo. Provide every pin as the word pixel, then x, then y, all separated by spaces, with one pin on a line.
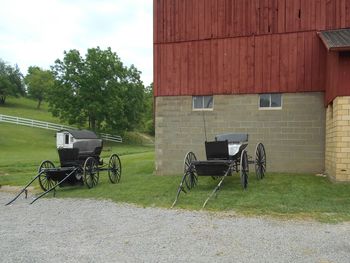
pixel 26 108
pixel 23 148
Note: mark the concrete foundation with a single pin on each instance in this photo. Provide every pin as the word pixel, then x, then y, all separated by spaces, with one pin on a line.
pixel 294 136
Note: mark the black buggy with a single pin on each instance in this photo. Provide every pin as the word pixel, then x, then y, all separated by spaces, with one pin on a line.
pixel 80 163
pixel 225 155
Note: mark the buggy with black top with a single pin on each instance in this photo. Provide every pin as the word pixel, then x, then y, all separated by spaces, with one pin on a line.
pixel 80 163
pixel 226 155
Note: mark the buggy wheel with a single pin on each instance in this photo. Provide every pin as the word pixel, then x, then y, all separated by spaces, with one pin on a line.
pixel 190 173
pixel 260 161
pixel 114 169
pixel 244 169
pixel 45 181
pixel 91 172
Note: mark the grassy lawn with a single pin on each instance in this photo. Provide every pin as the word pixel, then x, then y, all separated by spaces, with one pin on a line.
pixel 282 195
pixel 23 148
pixel 26 108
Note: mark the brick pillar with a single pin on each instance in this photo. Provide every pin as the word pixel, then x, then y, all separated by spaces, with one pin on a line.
pixel 338 139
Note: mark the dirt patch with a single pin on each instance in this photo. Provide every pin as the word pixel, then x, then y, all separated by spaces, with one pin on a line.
pixel 15 189
pixel 4 174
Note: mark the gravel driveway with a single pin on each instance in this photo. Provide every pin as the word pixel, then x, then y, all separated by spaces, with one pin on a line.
pixel 69 230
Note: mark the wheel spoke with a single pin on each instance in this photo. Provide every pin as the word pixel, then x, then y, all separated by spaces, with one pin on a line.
pixel 114 169
pixel 45 181
pixel 190 177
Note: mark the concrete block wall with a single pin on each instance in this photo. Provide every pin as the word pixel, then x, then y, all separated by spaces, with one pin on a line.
pixel 294 136
pixel 338 139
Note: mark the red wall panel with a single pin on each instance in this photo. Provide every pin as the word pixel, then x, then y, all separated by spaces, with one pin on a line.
pixel 344 76
pixel 337 75
pixel 242 46
pixel 275 62
pixel 293 62
pixel 187 20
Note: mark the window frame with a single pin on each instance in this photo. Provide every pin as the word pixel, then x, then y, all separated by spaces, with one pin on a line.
pixel 202 109
pixel 270 100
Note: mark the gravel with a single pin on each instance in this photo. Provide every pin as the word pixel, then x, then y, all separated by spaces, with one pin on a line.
pixel 72 230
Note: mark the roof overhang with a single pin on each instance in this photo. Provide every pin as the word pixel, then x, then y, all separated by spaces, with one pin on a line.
pixel 336 40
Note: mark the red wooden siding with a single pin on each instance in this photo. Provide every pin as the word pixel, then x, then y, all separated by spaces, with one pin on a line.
pixel 185 20
pixel 344 76
pixel 204 47
pixel 338 77
pixel 267 63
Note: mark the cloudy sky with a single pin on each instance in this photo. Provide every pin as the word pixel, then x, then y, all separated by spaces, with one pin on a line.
pixel 36 32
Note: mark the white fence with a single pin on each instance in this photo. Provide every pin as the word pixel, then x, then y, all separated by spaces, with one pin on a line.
pixel 111 138
pixel 51 126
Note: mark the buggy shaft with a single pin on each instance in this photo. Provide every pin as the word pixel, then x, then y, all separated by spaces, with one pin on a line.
pixel 52 188
pixel 218 186
pixel 181 188
pixel 14 199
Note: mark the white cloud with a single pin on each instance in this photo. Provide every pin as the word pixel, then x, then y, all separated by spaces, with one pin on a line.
pixel 37 32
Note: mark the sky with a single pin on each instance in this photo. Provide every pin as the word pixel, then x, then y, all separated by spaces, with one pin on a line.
pixel 37 32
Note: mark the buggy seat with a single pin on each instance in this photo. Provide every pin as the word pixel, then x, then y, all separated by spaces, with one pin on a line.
pixel 237 142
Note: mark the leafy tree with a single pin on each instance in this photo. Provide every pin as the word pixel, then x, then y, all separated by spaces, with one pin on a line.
pixel 98 90
pixel 38 82
pixel 11 83
pixel 149 110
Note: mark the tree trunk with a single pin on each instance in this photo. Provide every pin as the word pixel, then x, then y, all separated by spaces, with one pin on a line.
pixel 92 123
pixel 2 99
pixel 39 103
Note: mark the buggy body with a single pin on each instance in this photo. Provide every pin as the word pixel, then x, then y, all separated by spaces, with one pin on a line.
pixel 225 155
pixel 80 163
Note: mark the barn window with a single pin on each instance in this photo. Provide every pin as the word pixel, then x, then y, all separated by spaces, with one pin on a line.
pixel 66 139
pixel 202 102
pixel 270 101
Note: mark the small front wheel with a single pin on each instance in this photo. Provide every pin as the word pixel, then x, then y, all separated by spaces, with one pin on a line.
pixel 45 181
pixel 114 169
pixel 91 172
pixel 190 173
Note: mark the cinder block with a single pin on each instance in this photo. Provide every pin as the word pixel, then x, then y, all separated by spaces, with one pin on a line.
pixel 286 147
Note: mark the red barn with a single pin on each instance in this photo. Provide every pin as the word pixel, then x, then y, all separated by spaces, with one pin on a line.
pixel 278 70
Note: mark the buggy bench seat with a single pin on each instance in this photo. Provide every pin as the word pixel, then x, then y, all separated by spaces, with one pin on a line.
pixel 237 142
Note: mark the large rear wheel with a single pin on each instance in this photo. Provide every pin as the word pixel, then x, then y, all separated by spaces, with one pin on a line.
pixel 45 181
pixel 114 169
pixel 260 161
pixel 244 169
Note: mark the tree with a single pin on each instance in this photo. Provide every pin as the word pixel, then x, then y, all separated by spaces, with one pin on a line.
pixel 149 108
pixel 98 90
pixel 38 82
pixel 11 83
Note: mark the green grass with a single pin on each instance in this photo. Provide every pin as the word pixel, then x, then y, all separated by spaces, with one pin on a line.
pixel 23 148
pixel 26 108
pixel 282 195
